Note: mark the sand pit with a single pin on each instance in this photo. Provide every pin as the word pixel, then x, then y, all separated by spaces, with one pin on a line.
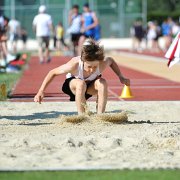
pixel 75 118
pixel 34 136
pixel 113 117
pixel 109 117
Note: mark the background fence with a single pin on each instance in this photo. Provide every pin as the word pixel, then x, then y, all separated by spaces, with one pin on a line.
pixel 116 16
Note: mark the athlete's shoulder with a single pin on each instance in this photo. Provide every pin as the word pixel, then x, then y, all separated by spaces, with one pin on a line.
pixel 107 61
pixel 74 61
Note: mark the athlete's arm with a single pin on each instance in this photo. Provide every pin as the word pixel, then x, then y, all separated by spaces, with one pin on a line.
pixel 65 68
pixel 109 61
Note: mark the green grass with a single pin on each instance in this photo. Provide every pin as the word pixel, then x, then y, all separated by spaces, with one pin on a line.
pixel 94 175
pixel 10 79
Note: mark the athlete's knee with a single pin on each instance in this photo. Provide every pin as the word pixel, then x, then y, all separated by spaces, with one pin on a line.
pixel 101 84
pixel 80 86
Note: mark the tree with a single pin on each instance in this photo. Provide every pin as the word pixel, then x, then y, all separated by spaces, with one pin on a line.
pixel 160 9
pixel 161 5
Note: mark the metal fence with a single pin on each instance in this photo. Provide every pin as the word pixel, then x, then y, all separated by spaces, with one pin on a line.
pixel 115 16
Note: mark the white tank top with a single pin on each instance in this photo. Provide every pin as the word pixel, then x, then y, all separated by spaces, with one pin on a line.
pixel 80 75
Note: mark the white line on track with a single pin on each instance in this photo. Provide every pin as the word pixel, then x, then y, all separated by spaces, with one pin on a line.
pixel 114 94
pixel 149 87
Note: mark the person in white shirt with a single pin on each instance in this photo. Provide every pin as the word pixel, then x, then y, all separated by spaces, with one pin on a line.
pixel 14 33
pixel 75 27
pixel 175 28
pixel 43 26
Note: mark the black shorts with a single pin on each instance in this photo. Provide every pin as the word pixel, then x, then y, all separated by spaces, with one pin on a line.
pixel 75 37
pixel 66 89
pixel 89 36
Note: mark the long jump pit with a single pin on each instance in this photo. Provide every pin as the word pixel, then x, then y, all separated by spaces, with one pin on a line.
pixel 41 137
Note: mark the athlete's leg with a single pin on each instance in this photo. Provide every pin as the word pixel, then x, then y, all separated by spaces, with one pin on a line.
pixel 78 88
pixel 99 87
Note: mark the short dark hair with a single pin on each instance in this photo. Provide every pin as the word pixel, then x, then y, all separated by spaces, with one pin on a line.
pixel 86 5
pixel 92 51
pixel 75 6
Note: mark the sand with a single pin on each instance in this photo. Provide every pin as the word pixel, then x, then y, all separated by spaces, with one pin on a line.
pixel 34 136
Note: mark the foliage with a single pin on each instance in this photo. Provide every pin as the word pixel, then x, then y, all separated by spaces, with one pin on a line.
pixel 160 10
pixel 161 5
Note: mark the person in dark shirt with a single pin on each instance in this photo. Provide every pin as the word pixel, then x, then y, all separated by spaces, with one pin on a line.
pixel 138 34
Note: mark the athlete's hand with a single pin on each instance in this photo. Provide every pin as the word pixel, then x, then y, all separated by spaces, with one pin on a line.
pixel 125 81
pixel 39 97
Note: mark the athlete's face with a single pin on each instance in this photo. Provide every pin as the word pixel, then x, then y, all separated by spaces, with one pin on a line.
pixel 91 66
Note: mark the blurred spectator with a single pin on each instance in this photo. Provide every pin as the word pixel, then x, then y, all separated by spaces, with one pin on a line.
pixel 175 29
pixel 153 34
pixel 43 26
pixel 59 32
pixel 75 27
pixel 5 56
pixel 24 36
pixel 97 32
pixel 89 20
pixel 137 33
pixel 170 22
pixel 90 25
pixel 158 35
pixel 14 33
pixel 167 33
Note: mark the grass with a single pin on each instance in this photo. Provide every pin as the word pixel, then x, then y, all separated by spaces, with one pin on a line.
pixel 94 175
pixel 10 79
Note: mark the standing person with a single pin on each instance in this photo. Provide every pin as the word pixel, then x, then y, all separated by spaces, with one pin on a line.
pixel 6 56
pixel 43 26
pixel 151 36
pixel 175 29
pixel 59 32
pixel 167 33
pixel 3 38
pixel 24 37
pixel 84 78
pixel 14 33
pixel 89 25
pixel 138 34
pixel 75 27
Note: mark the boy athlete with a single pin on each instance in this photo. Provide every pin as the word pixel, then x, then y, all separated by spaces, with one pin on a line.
pixel 83 78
